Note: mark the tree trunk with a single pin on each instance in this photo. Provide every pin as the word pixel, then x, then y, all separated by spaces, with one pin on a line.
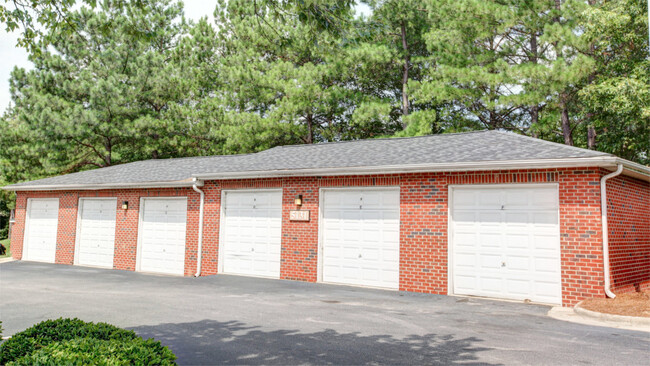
pixel 591 137
pixel 310 129
pixel 108 145
pixel 534 118
pixel 405 75
pixel 534 109
pixel 566 124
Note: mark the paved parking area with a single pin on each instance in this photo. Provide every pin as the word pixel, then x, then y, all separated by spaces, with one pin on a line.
pixel 238 320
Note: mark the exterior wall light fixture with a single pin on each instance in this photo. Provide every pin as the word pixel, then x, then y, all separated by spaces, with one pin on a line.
pixel 298 200
pixel 125 205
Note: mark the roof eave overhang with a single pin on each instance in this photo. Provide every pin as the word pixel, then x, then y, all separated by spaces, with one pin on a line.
pixel 608 162
pixel 94 187
pixel 633 169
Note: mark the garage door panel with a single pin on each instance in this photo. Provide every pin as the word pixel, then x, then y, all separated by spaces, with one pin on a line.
pixel 518 263
pixel 548 264
pixel 490 218
pixel 516 241
pixel 489 199
pixel 489 239
pixel 515 236
pixel 96 235
pixel 544 200
pixel 42 225
pixel 491 284
pixel 548 220
pixel 252 227
pixel 518 287
pixel 163 235
pixel 360 237
pixel 465 217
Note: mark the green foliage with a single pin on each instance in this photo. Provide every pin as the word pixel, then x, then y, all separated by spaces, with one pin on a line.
pixel 617 101
pixel 91 351
pixel 51 331
pixel 35 15
pixel 103 95
pixel 554 70
pixel 134 80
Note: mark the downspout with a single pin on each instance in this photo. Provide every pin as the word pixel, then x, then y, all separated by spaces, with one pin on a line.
pixel 603 210
pixel 199 255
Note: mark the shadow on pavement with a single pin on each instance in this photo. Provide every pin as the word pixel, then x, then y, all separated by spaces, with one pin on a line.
pixel 210 342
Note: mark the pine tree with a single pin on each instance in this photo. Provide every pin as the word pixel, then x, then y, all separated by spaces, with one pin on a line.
pixel 102 94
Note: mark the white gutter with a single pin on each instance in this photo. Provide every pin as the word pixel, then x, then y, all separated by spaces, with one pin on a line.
pixel 98 186
pixel 632 169
pixel 199 254
pixel 603 210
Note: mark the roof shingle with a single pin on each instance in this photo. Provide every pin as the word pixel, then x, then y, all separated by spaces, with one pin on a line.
pixel 480 146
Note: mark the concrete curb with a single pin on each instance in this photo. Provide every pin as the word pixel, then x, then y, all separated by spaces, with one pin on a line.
pixel 623 319
pixel 4 260
pixel 570 315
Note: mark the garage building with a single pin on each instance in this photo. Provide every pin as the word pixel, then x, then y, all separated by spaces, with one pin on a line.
pixel 485 213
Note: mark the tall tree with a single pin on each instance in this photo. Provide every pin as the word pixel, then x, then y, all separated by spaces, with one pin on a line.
pixel 391 53
pixel 102 95
pixel 516 65
pixel 616 102
pixel 284 83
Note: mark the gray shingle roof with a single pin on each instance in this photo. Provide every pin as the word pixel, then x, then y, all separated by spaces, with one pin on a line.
pixel 480 146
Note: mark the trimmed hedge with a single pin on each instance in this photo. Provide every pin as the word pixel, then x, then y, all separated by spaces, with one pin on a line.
pixel 89 351
pixel 73 341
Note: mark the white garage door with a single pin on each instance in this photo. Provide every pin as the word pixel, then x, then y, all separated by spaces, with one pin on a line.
pixel 360 237
pixel 506 242
pixel 162 235
pixel 96 235
pixel 40 233
pixel 252 233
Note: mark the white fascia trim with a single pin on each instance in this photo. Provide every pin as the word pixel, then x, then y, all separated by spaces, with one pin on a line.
pixel 606 161
pixel 76 187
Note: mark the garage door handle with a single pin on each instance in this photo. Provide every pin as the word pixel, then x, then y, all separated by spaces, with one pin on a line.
pixel 252 249
pixel 359 255
pixel 503 264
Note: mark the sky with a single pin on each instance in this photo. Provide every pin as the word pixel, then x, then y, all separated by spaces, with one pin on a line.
pixel 12 56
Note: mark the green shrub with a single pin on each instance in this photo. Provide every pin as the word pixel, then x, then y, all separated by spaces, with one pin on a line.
pixel 43 337
pixel 88 351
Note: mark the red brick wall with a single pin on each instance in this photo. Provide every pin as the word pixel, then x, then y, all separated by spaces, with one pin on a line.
pixel 126 228
pixel 628 221
pixel 423 230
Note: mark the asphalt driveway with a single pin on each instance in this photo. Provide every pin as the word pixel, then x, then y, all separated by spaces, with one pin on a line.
pixel 238 320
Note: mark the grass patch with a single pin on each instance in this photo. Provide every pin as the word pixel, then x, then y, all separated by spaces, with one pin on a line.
pixel 6 243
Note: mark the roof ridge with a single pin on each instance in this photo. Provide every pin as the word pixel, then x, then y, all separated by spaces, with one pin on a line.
pixel 193 157
pixel 379 139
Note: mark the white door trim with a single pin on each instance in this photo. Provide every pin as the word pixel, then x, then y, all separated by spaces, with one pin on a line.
pixel 222 221
pixel 450 231
pixel 138 255
pixel 78 227
pixel 27 220
pixel 321 207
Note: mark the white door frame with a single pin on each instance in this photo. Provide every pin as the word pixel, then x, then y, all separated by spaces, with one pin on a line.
pixel 450 231
pixel 321 207
pixel 78 229
pixel 138 255
pixel 222 222
pixel 27 219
